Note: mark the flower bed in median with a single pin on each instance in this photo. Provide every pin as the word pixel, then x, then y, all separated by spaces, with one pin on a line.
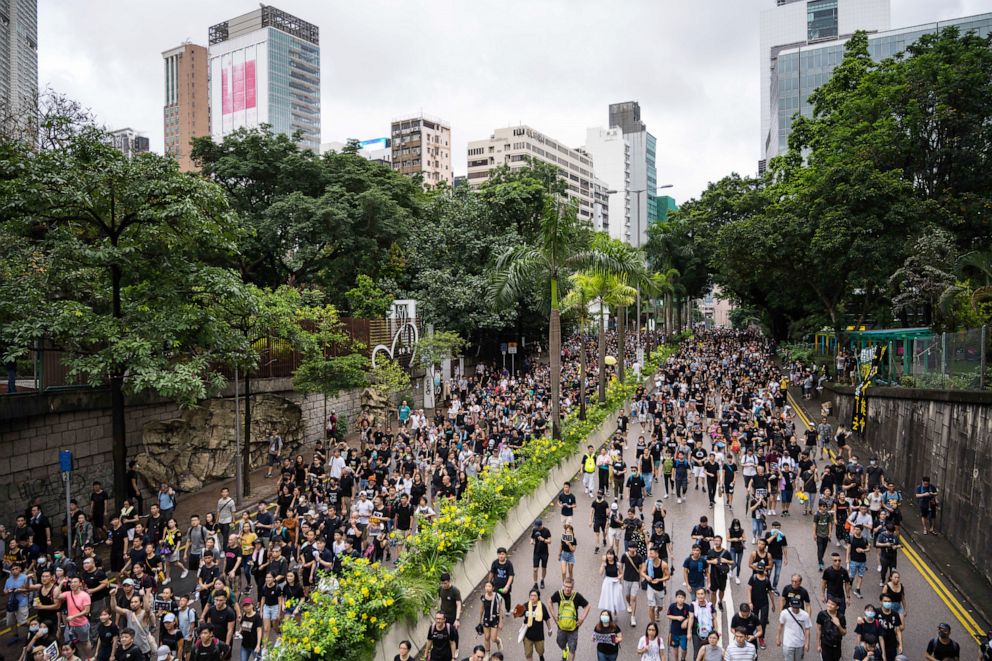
pixel 345 621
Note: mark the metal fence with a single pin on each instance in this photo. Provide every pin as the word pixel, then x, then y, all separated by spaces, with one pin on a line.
pixel 950 361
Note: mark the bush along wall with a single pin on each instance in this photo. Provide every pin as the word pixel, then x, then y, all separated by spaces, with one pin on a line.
pixel 351 612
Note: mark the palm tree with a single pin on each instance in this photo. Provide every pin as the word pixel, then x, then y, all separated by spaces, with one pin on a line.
pixel 577 301
pixel 663 286
pixel 563 246
pixel 629 273
pixel 621 296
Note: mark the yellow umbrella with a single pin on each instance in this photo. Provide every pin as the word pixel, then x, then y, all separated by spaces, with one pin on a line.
pixel 610 360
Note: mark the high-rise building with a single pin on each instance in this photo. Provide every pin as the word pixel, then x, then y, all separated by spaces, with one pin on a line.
pixel 422 145
pixel 795 23
pixel 18 57
pixel 643 179
pixel 186 114
pixel 516 146
pixel 610 155
pixel 265 69
pixel 129 142
pixel 804 68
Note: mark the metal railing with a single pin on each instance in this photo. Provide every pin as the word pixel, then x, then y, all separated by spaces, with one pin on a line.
pixel 949 361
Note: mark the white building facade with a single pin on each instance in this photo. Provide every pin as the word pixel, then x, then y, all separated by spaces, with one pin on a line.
pixel 610 153
pixel 515 146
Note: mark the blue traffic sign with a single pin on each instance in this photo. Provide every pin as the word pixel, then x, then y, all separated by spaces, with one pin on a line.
pixel 65 461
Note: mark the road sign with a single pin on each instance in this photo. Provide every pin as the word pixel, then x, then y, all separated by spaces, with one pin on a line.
pixel 502 348
pixel 511 348
pixel 65 461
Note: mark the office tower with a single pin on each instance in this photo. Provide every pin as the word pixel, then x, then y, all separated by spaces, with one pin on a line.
pixel 804 68
pixel 18 58
pixel 796 23
pixel 515 146
pixel 186 113
pixel 643 180
pixel 265 69
pixel 129 142
pixel 610 155
pixel 422 145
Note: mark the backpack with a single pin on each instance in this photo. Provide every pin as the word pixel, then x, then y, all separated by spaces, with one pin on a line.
pixel 568 614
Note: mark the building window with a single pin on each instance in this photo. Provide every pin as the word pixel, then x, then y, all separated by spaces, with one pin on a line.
pixel 821 20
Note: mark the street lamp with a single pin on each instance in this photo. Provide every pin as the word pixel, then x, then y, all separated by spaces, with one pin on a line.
pixel 638 194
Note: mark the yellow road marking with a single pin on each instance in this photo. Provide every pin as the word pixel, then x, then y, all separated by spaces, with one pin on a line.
pixel 957 609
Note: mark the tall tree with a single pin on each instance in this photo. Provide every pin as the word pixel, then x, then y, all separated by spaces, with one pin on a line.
pixel 563 246
pixel 577 302
pixel 111 258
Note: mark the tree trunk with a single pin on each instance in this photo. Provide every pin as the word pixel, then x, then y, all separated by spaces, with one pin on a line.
pixel 621 343
pixel 118 430
pixel 582 374
pixel 602 352
pixel 246 445
pixel 554 349
pixel 668 314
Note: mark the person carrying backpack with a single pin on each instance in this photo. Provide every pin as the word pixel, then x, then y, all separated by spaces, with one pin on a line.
pixel 570 610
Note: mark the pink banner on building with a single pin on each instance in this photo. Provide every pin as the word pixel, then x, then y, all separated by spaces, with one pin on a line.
pixel 250 84
pixel 238 87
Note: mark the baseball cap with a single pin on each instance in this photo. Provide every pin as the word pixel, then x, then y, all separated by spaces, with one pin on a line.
pixel 163 652
pixel 169 617
pixel 247 600
pixel 614 506
pixel 129 581
pixel 538 523
pixel 944 626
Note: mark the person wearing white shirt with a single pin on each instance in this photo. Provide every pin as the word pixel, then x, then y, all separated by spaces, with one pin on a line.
pixel 794 627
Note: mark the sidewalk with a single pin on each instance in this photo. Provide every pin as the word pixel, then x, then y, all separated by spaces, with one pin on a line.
pixel 964 583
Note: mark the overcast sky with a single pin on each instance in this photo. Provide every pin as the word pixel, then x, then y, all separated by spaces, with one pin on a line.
pixel 480 64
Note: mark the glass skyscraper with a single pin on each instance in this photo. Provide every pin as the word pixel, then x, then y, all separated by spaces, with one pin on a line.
pixel 18 56
pixel 801 70
pixel 265 69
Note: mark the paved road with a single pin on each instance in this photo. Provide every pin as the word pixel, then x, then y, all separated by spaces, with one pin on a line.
pixel 925 610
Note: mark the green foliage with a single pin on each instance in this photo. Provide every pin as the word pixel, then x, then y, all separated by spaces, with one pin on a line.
pixel 313 220
pixel 368 301
pixel 435 347
pixel 389 377
pixel 793 351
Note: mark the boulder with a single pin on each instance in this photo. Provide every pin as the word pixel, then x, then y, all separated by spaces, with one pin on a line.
pixel 198 447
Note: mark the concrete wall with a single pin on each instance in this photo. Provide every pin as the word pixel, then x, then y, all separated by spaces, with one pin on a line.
pixel 34 427
pixel 945 435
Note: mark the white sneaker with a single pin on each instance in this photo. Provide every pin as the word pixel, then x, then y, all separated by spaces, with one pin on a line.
pixel 879 569
pixel 680 501
pixel 737 580
pixel 166 581
pixel 633 621
pixel 184 574
pixel 628 609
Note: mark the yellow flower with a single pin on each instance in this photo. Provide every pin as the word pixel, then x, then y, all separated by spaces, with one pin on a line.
pixel 382 625
pixel 316 649
pixel 373 619
pixel 389 601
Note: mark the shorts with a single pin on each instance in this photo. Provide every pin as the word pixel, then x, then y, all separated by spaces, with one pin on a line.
pixel 614 535
pixel 531 646
pixel 857 568
pixel 787 496
pixel 81 633
pixel 567 557
pixel 656 598
pixel 630 588
pixel 728 488
pixel 541 561
pixel 698 471
pixel 598 526
pixel 718 581
pixel 270 612
pixel 20 616
pixel 274 461
pixel 678 640
pixel 567 640
pixel 637 502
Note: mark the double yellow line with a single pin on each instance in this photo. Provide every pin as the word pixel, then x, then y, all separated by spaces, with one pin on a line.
pixel 929 575
pixel 957 609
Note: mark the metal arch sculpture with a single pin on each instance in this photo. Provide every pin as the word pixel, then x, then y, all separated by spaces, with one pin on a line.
pixel 391 350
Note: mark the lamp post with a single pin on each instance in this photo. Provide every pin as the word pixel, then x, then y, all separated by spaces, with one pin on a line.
pixel 638 194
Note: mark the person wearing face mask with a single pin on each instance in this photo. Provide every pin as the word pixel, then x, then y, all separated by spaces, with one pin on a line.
pixel 891 624
pixel 607 636
pixel 868 625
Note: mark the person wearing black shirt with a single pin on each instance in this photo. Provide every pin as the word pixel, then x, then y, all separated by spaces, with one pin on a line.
pixel 127 650
pixel 208 648
pixel 598 517
pixel 836 583
pixel 442 640
pixel 106 636
pixel 712 471
pixel 205 577
pixel 271 597
pixel 501 574
pixel 220 618
pixel 251 627
pixel 702 534
pixel 170 635
pixel 795 589
pixel 566 501
pixel 857 558
pixel 720 562
pixel 748 621
pixel 540 539
pixel 758 590
pixel 942 647
pixel 831 628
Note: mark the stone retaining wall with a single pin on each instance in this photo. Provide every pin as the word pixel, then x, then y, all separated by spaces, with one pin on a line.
pixel 946 435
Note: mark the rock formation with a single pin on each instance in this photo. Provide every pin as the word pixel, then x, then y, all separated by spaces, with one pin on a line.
pixel 199 446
